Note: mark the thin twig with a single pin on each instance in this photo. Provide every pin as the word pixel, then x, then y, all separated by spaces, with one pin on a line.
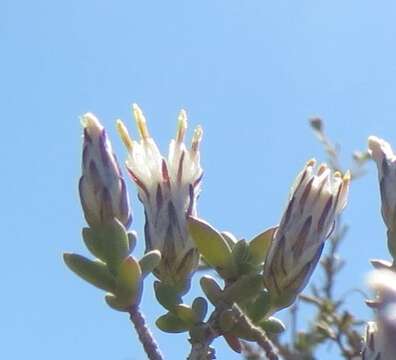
pixel 259 335
pixel 145 336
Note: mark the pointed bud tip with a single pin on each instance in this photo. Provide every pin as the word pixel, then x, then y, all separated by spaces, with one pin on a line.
pixel 89 120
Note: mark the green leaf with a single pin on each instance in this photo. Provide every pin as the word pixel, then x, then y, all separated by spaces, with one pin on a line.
pixel 272 325
pixel 167 295
pixel 245 287
pixel 230 238
pixel 200 308
pixel 93 242
pixel 211 289
pixel 260 307
pixel 115 245
pixel 128 281
pixel 240 252
pixel 115 303
pixel 171 323
pixel 184 312
pixel 95 272
pixel 259 246
pixel 150 261
pixel 210 243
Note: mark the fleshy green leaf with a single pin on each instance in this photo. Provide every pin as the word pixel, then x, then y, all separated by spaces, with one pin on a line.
pixel 93 242
pixel 167 295
pixel 241 253
pixel 131 241
pixel 259 246
pixel 150 261
pixel 210 244
pixel 244 288
pixel 184 312
pixel 272 325
pixel 260 307
pixel 95 272
pixel 230 238
pixel 115 303
pixel 128 281
pixel 115 245
pixel 171 323
pixel 211 289
pixel 200 308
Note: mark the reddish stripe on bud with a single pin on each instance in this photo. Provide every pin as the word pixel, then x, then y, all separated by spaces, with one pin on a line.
pixel 138 182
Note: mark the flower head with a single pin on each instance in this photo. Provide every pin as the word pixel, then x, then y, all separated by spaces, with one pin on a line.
pixel 383 155
pixel 168 189
pixel 102 188
pixel 316 200
pixel 379 342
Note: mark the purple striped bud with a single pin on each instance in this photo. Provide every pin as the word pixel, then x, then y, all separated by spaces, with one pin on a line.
pixel 316 200
pixel 379 342
pixel 102 188
pixel 382 153
pixel 168 189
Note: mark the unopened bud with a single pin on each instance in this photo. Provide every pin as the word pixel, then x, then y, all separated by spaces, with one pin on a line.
pixel 102 188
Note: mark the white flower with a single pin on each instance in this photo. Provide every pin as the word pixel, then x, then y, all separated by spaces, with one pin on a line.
pixel 168 189
pixel 382 153
pixel 316 200
pixel 379 342
pixel 102 189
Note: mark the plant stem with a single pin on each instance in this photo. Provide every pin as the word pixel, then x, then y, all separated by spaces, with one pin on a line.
pixel 259 335
pixel 145 336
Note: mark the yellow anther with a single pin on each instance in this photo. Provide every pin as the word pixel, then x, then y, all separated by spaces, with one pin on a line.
pixel 140 122
pixel 311 162
pixel 124 135
pixel 181 126
pixel 347 177
pixel 322 168
pixel 197 137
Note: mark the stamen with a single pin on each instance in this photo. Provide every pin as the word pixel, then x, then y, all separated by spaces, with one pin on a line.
pixel 322 169
pixel 347 178
pixel 124 135
pixel 197 137
pixel 181 126
pixel 140 122
pixel 311 162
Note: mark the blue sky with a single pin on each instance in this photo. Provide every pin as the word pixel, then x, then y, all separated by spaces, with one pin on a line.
pixel 251 72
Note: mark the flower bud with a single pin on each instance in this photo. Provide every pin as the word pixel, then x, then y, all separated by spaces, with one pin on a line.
pixel 383 155
pixel 102 189
pixel 379 342
pixel 316 200
pixel 168 189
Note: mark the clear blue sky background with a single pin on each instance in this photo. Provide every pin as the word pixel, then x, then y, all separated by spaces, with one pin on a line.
pixel 251 72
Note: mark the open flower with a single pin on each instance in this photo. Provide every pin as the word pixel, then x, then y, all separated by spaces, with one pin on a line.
pixel 168 189
pixel 382 153
pixel 379 342
pixel 317 199
pixel 102 189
